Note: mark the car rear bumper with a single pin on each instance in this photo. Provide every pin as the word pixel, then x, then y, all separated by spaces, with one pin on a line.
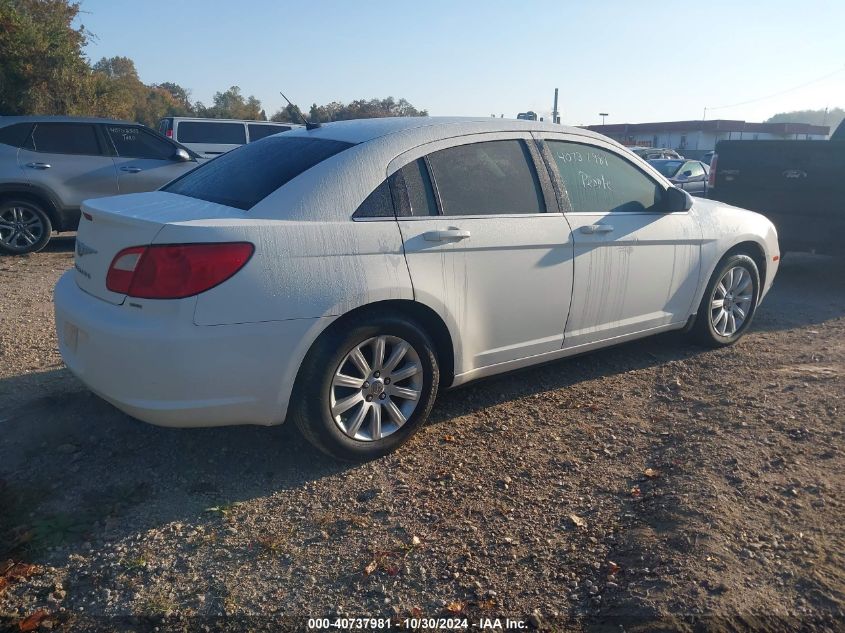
pixel 170 373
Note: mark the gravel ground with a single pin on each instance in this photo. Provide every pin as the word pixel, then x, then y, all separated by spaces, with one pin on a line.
pixel 654 486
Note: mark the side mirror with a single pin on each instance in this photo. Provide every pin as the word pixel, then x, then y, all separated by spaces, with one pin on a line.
pixel 675 199
pixel 181 155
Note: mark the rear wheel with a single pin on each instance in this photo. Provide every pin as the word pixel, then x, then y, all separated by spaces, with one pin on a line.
pixel 24 227
pixel 365 388
pixel 729 302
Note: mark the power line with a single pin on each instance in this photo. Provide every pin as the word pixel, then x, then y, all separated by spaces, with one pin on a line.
pixel 777 94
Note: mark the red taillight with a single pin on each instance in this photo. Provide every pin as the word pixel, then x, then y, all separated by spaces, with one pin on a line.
pixel 175 271
pixel 711 179
pixel 169 133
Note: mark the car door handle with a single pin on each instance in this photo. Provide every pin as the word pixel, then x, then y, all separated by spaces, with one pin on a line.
pixel 38 165
pixel 131 170
pixel 596 228
pixel 444 236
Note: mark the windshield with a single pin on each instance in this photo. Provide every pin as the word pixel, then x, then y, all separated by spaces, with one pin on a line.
pixel 667 167
pixel 245 176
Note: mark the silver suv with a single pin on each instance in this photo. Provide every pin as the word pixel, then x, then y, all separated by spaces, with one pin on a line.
pixel 49 165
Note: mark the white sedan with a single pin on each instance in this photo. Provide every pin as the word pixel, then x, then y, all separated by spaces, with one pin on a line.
pixel 340 276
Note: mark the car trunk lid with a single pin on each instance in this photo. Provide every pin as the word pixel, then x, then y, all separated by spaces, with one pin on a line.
pixel 109 225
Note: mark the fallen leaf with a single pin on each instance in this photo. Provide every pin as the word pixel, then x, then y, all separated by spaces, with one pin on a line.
pixel 392 570
pixel 455 607
pixel 416 612
pixel 635 491
pixel 449 438
pixel 20 571
pixel 651 473
pixel 369 569
pixel 415 541
pixel 578 521
pixel 31 622
pixel 614 568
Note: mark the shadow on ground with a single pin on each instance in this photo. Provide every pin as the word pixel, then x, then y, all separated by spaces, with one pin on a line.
pixel 72 466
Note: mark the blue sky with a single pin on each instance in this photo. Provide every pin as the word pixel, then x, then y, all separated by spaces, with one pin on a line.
pixel 636 60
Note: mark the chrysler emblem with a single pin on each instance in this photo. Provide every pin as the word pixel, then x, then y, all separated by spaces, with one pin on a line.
pixel 83 249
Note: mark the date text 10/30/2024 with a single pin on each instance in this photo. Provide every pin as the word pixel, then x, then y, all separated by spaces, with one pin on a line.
pixel 381 624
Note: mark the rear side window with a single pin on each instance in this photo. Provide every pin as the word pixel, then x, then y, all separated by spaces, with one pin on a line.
pixel 131 141
pixel 211 132
pixel 245 176
pixel 258 131
pixel 66 138
pixel 599 181
pixel 15 135
pixel 493 177
pixel 413 192
pixel 379 204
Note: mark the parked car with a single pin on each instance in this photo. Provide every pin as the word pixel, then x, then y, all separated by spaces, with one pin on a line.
pixel 212 137
pixel 689 175
pixel 48 165
pixel 650 153
pixel 708 157
pixel 341 276
pixel 798 185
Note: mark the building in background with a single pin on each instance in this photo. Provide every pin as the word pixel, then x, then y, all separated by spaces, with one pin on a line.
pixel 695 138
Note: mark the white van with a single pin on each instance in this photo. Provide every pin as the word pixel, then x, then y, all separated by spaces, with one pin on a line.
pixel 212 137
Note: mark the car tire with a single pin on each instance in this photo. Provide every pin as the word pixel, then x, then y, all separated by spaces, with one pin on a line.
pixel 729 302
pixel 24 227
pixel 335 385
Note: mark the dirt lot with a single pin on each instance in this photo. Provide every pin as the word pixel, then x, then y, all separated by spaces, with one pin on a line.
pixel 654 486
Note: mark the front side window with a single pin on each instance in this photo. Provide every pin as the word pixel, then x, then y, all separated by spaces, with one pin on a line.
pixel 695 169
pixel 667 167
pixel 132 141
pixel 599 181
pixel 246 175
pixel 66 138
pixel 211 132
pixel 488 178
pixel 258 131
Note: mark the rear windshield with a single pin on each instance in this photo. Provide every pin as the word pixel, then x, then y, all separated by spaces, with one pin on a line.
pixel 246 175
pixel 211 132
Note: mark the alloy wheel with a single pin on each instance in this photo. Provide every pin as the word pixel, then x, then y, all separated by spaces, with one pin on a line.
pixel 376 388
pixel 731 301
pixel 20 228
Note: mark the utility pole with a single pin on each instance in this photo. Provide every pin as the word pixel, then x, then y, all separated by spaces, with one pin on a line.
pixel 555 113
pixel 602 115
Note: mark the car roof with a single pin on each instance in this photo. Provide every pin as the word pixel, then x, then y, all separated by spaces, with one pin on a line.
pixel 363 130
pixel 9 120
pixel 199 119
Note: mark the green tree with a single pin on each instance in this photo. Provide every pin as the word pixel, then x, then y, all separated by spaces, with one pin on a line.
pixel 42 66
pixel 831 118
pixel 231 104
pixel 359 109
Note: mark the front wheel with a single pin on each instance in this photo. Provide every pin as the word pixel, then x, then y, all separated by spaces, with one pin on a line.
pixel 729 302
pixel 366 387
